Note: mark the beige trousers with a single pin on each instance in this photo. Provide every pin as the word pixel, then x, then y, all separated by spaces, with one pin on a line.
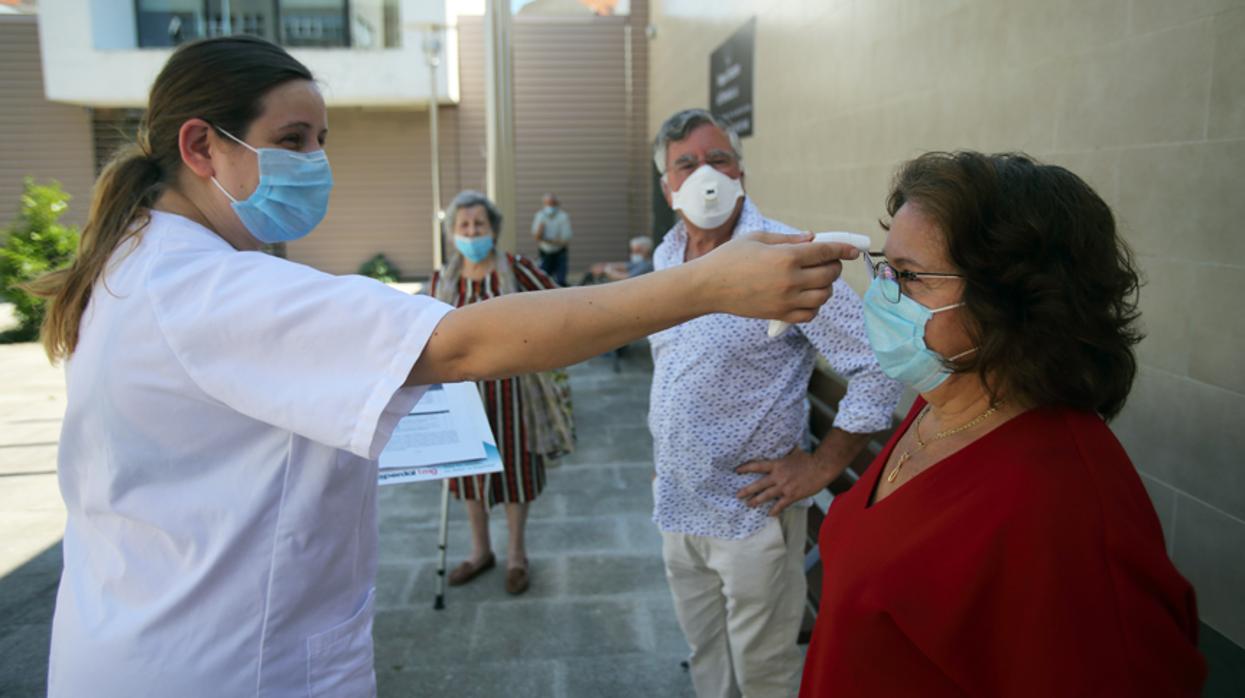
pixel 740 603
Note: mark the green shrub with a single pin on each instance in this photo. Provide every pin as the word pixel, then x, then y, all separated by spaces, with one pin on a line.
pixel 380 268
pixel 35 243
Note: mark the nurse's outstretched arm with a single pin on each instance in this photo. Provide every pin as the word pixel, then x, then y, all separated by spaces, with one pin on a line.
pixel 765 275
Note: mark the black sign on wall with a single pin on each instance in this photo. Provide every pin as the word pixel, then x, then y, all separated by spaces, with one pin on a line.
pixel 730 79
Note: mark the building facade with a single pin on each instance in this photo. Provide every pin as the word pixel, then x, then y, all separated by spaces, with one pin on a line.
pixel 580 92
pixel 38 138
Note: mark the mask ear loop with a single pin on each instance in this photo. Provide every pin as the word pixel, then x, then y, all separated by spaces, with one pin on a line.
pixel 237 140
pixel 223 190
pixel 953 306
pixel 240 142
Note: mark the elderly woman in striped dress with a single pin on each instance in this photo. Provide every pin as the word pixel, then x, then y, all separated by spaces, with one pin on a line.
pixel 530 415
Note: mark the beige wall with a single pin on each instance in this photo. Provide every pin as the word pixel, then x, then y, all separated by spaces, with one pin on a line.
pixel 38 138
pixel 579 126
pixel 571 131
pixel 1144 98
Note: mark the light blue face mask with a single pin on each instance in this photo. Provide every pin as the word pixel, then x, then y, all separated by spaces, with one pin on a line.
pixel 897 334
pixel 476 249
pixel 292 196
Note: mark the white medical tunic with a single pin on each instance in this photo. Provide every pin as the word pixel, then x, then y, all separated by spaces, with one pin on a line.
pixel 217 461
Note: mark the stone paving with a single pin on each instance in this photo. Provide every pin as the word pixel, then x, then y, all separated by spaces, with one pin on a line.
pixel 596 622
pixel 32 517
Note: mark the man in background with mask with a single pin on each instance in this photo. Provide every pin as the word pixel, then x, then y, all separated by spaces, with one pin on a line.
pixel 552 229
pixel 640 262
pixel 728 416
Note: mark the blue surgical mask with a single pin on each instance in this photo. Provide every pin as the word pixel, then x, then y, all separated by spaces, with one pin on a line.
pixel 550 210
pixel 292 196
pixel 897 334
pixel 477 249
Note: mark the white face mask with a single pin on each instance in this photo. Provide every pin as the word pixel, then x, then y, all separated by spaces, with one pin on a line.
pixel 707 198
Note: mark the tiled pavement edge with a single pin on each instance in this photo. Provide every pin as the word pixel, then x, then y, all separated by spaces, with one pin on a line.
pixel 32 517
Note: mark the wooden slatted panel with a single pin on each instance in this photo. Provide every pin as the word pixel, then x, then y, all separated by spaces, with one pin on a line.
pixel 571 131
pixel 640 187
pixel 38 138
pixel 112 130
pixel 825 390
pixel 812 575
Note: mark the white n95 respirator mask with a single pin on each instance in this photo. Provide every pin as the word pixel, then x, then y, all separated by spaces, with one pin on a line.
pixel 707 198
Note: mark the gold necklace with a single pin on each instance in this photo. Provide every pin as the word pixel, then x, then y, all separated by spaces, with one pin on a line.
pixel 940 435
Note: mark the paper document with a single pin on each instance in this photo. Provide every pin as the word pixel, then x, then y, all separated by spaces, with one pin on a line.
pixel 442 428
pixel 437 398
pixel 446 435
pixel 491 463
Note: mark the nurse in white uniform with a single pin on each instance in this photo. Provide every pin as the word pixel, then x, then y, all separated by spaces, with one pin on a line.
pixel 226 407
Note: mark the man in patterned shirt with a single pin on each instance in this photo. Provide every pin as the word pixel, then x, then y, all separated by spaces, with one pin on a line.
pixel 727 414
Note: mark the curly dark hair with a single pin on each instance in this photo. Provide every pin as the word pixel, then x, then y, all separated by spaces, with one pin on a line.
pixel 1050 287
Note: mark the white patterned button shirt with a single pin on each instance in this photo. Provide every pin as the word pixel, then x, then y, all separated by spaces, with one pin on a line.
pixel 724 394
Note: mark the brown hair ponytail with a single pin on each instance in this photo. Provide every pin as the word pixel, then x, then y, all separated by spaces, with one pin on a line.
pixel 129 183
pixel 222 81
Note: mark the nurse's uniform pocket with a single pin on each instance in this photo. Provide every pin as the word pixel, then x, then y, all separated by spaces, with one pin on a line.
pixel 339 660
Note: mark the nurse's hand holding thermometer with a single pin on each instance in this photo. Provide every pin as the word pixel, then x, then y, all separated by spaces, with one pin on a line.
pixel 856 240
pixel 765 275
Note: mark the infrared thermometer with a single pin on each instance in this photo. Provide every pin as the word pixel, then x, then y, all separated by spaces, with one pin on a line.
pixel 860 242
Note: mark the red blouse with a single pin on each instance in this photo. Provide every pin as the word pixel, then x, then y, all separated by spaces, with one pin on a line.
pixel 1030 563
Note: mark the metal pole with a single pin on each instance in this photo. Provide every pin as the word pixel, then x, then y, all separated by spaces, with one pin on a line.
pixel 442 543
pixel 432 52
pixel 499 115
pixel 633 178
pixel 435 141
pixel 226 25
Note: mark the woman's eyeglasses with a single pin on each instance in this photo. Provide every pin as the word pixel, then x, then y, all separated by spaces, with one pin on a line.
pixel 883 269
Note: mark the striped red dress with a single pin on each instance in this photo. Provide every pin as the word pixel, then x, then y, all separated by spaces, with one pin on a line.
pixel 524 475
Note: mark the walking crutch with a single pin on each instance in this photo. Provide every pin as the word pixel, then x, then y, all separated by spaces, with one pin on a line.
pixel 442 543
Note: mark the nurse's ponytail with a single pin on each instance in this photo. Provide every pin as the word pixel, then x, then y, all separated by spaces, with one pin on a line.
pixel 128 185
pixel 222 81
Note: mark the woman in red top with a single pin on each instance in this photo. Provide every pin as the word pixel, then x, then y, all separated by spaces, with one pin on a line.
pixel 1002 544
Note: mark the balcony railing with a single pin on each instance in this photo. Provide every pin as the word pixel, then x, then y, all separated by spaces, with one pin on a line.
pixel 362 24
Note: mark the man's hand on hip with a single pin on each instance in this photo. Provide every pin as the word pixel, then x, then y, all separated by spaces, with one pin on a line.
pixel 798 474
pixel 787 480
